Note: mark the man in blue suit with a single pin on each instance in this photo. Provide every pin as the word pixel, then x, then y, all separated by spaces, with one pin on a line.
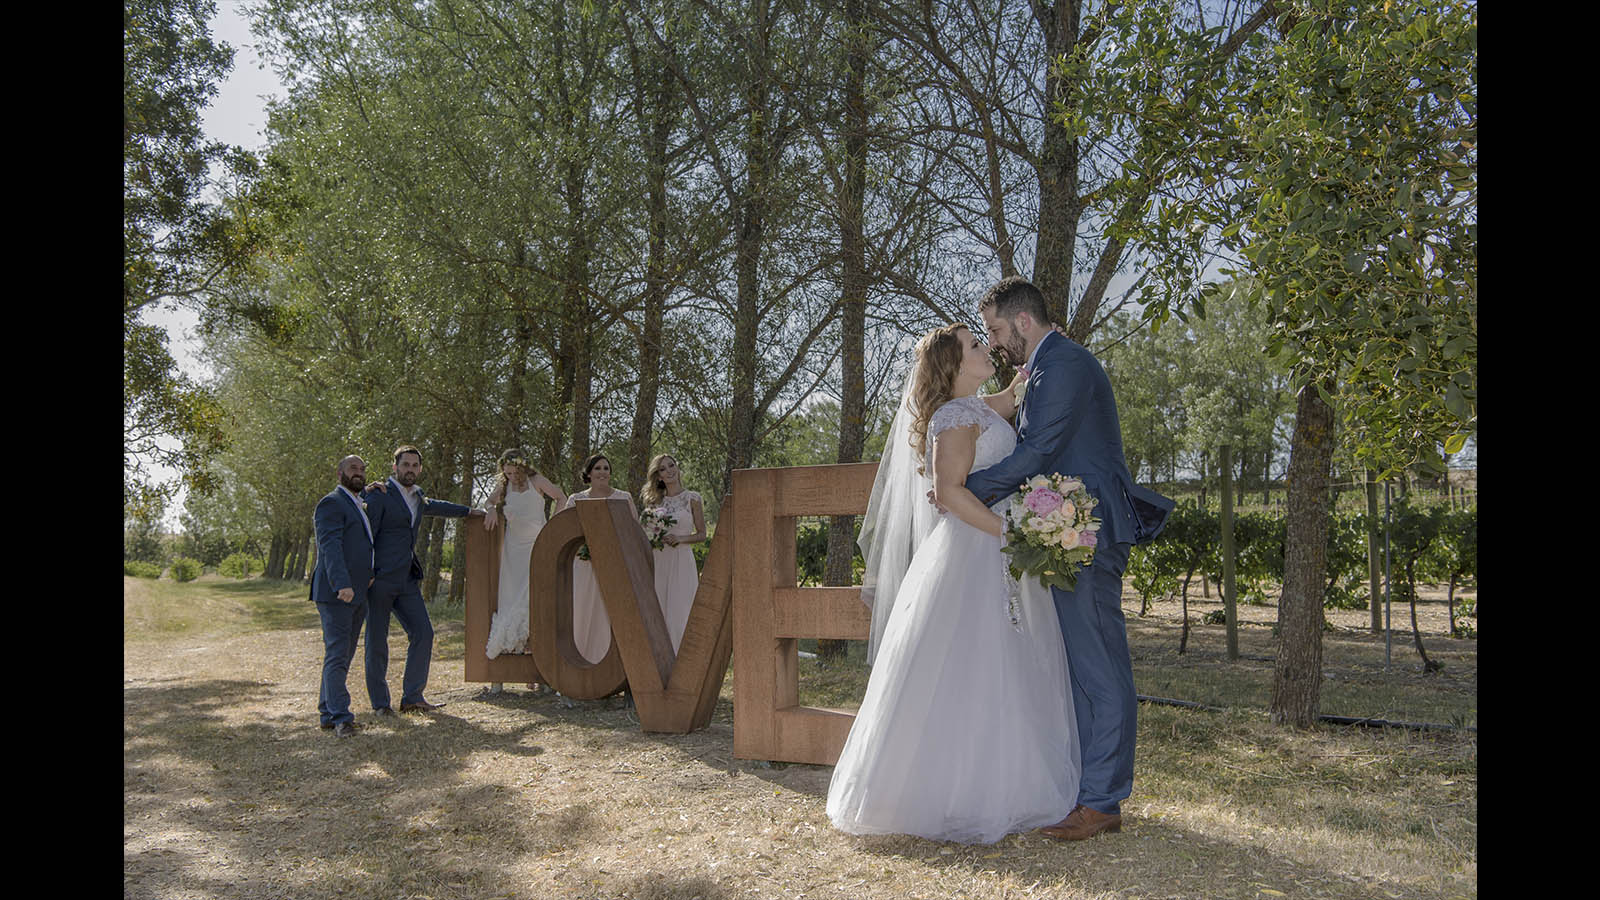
pixel 1067 424
pixel 339 588
pixel 396 509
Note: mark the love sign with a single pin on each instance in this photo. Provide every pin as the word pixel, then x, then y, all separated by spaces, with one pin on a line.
pixel 748 608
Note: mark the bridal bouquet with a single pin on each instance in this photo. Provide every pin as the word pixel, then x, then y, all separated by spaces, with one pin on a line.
pixel 657 522
pixel 1050 532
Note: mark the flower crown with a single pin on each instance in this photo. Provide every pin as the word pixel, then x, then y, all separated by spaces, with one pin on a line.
pixel 516 461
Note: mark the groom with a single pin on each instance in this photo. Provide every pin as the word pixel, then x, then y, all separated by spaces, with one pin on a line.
pixel 396 509
pixel 1067 424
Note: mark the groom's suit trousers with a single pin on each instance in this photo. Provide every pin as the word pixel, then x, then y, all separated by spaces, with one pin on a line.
pixel 1103 695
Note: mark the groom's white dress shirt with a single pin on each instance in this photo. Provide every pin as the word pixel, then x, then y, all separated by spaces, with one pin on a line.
pixel 411 497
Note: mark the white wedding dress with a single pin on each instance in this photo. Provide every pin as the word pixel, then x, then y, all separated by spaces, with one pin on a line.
pixel 524 518
pixel 966 732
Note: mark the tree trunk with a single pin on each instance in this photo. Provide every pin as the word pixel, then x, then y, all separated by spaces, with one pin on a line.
pixel 1374 555
pixel 837 570
pixel 296 549
pixel 1183 640
pixel 581 318
pixel 1058 176
pixel 434 561
pixel 747 263
pixel 1229 598
pixel 276 555
pixel 1297 672
pixel 308 547
pixel 655 295
pixel 458 564
pixel 1428 665
pixel 1450 600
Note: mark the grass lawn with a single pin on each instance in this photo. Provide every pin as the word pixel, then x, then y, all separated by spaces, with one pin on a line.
pixel 231 790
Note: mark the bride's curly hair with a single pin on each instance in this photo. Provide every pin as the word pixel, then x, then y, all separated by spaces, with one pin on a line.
pixel 938 362
pixel 517 458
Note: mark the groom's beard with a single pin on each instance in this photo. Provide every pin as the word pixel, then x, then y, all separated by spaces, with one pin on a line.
pixel 1016 350
pixel 407 479
pixel 354 482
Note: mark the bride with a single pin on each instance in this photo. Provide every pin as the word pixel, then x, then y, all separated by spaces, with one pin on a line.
pixel 966 732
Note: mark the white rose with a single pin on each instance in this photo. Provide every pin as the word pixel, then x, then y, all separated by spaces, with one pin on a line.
pixel 1038 481
pixel 1068 538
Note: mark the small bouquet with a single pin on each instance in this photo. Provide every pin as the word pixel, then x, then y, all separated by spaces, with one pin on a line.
pixel 1050 533
pixel 657 523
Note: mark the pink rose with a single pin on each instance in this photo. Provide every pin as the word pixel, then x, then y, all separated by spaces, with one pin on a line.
pixel 1043 501
pixel 1087 539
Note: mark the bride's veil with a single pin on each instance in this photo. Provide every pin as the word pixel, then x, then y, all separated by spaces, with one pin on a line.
pixel 897 520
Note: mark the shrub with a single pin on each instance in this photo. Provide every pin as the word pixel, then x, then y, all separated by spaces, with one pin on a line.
pixel 185 569
pixel 140 569
pixel 240 565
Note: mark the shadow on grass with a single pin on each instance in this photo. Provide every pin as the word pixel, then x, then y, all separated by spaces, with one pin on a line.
pixel 212 803
pixel 1148 858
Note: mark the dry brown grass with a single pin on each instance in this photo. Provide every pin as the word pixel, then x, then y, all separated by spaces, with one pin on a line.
pixel 231 790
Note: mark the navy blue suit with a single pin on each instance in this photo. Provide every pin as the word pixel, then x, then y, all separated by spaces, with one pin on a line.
pixel 398 589
pixel 344 560
pixel 1068 425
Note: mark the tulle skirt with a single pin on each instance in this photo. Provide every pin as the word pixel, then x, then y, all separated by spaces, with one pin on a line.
pixel 966 732
pixel 508 627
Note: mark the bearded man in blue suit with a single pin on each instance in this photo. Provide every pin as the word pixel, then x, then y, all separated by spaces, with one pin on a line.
pixel 339 588
pixel 397 508
pixel 1067 424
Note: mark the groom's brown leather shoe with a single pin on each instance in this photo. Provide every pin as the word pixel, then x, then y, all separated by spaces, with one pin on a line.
pixel 1083 823
pixel 420 706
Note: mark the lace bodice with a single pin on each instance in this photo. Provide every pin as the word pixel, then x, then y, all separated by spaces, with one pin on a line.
pixel 678 507
pixel 524 511
pixel 995 441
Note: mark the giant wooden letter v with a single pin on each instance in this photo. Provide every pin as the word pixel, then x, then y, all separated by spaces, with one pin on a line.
pixel 673 693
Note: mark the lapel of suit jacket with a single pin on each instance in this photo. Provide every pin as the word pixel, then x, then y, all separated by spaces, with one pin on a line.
pixel 401 492
pixel 356 502
pixel 1037 352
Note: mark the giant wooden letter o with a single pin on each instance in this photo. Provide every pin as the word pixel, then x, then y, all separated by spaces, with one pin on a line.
pixel 550 614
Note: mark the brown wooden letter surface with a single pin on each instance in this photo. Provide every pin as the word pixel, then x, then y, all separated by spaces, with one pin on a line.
pixel 482 599
pixel 673 693
pixel 770 613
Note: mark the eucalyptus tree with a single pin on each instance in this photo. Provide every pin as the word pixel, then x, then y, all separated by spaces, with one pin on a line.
pixel 176 241
pixel 1234 394
pixel 1347 188
pixel 1145 369
pixel 288 425
pixel 749 122
pixel 1052 163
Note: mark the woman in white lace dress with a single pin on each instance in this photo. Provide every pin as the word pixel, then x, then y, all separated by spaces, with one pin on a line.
pixel 677 579
pixel 591 627
pixel 518 496
pixel 967 718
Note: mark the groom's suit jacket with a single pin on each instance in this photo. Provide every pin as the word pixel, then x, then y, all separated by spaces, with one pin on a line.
pixel 1068 425
pixel 344 549
pixel 395 530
